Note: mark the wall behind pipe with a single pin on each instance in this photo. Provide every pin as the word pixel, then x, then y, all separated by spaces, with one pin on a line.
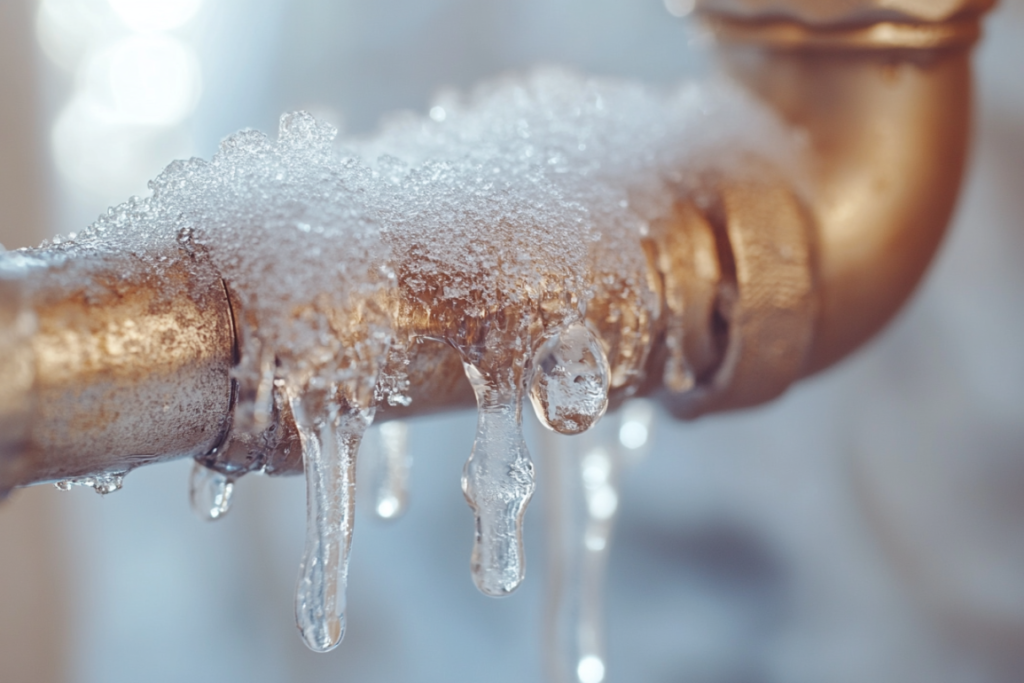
pixel 865 527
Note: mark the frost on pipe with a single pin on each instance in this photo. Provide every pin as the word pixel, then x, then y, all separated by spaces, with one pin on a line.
pixel 514 225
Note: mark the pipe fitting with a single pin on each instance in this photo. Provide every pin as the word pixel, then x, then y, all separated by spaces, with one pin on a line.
pixel 766 299
pixel 886 110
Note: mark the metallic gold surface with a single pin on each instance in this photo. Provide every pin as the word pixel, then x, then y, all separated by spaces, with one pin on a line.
pixel 687 259
pixel 126 369
pixel 766 296
pixel 885 35
pixel 888 134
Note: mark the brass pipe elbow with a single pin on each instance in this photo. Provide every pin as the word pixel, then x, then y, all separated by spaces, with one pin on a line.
pixel 882 89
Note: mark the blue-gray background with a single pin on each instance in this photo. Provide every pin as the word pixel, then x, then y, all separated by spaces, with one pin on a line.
pixel 866 527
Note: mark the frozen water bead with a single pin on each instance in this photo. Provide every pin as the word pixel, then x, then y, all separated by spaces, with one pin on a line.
pixel 569 390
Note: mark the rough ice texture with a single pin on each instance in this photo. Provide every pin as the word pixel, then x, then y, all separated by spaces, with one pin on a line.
pixel 565 173
pixel 590 135
pixel 285 227
pixel 510 198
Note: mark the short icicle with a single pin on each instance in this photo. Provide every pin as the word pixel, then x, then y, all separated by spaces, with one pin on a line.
pixel 330 436
pixel 209 492
pixel 391 485
pixel 498 482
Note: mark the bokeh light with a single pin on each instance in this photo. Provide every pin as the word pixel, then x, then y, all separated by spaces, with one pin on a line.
pixel 143 79
pixel 147 16
pixel 137 80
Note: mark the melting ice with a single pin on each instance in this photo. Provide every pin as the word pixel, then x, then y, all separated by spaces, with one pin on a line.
pixel 510 224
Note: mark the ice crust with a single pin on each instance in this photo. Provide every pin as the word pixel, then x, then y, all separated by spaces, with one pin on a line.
pixel 504 224
pixel 526 190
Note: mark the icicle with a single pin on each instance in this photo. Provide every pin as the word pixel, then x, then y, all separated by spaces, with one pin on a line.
pixel 330 440
pixel 391 485
pixel 569 389
pixel 209 492
pixel 105 483
pixel 498 482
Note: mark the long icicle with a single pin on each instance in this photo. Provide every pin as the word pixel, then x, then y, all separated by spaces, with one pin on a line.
pixel 330 439
pixel 498 482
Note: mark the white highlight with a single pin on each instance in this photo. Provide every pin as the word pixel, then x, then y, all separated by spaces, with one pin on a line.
pixel 387 507
pixel 603 502
pixel 147 16
pixel 590 670
pixel 633 434
pixel 143 80
pixel 68 29
pixel 597 466
pixel 134 86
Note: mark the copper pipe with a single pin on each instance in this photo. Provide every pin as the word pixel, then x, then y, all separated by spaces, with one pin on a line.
pixel 105 371
pixel 757 287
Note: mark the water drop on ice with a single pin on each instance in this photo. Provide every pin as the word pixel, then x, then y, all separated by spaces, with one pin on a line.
pixel 209 492
pixel 498 482
pixel 569 390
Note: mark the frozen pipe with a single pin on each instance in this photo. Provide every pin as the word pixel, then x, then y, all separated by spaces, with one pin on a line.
pixel 105 372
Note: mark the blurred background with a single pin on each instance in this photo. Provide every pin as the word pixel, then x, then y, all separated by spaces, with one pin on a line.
pixel 868 526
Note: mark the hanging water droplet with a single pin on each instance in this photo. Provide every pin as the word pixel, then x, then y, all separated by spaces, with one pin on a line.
pixel 498 482
pixel 569 390
pixel 209 492
pixel 330 440
pixel 392 475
